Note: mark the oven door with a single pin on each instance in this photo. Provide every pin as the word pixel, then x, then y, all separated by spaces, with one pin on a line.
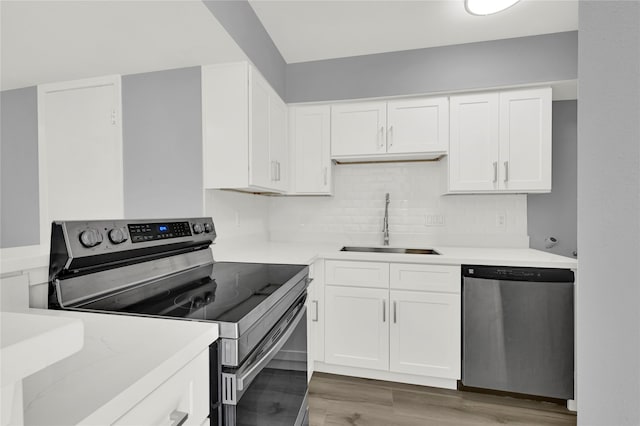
pixel 270 387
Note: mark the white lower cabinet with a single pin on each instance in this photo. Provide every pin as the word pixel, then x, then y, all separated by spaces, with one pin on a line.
pixel 425 333
pixel 357 328
pixel 410 327
pixel 182 400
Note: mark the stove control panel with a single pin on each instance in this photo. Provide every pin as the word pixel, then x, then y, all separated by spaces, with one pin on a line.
pixel 86 238
pixel 159 231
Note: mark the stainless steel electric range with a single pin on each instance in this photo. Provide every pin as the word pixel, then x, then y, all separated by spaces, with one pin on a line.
pixel 165 268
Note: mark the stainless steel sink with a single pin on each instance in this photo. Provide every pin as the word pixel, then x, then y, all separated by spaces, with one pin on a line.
pixel 389 250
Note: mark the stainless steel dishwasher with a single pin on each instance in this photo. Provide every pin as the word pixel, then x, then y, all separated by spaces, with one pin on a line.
pixel 518 330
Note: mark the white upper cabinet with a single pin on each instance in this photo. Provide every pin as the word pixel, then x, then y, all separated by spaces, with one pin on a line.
pixel 473 147
pixel 525 140
pixel 310 145
pixel 244 130
pixel 395 130
pixel 418 125
pixel 501 142
pixel 358 129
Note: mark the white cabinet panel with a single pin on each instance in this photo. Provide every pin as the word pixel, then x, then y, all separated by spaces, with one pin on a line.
pixel 357 274
pixel 316 313
pixel 14 292
pixel 260 172
pixel 278 146
pixel 311 149
pixel 357 327
pixel 386 131
pixel 473 145
pixel 425 334
pixel 244 130
pixel 358 129
pixel 186 393
pixel 501 142
pixel 525 140
pixel 413 276
pixel 80 151
pixel 418 125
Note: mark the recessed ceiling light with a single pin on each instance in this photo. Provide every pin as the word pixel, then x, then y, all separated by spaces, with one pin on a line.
pixel 487 7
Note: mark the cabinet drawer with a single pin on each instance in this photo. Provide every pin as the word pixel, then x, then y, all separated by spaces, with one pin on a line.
pixel 357 274
pixel 411 276
pixel 186 392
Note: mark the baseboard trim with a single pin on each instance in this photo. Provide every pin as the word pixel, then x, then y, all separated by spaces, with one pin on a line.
pixel 436 382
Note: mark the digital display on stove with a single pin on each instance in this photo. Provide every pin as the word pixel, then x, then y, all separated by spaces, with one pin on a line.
pixel 142 232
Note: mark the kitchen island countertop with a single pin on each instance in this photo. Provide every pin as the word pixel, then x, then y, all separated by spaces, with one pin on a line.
pixel 124 358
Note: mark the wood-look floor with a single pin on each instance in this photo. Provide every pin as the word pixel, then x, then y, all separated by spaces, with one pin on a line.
pixel 339 400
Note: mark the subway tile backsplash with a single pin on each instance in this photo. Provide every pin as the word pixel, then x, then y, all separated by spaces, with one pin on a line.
pixel 418 213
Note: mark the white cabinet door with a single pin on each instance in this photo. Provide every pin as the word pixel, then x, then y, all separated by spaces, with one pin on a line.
pixel 525 140
pixel 80 151
pixel 474 142
pixel 311 144
pixel 278 146
pixel 183 399
pixel 418 125
pixel 425 334
pixel 315 313
pixel 357 327
pixel 358 129
pixel 261 170
pixel 244 130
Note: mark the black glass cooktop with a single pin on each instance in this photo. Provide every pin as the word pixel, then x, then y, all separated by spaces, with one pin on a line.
pixel 226 292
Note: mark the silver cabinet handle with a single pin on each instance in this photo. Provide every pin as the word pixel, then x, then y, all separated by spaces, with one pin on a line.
pixel 278 168
pixel 506 171
pixel 315 304
pixel 495 171
pixel 384 310
pixel 390 136
pixel 273 170
pixel 178 418
pixel 381 141
pixel 395 310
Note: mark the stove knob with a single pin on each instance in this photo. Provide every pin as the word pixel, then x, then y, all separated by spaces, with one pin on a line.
pixel 117 235
pixel 208 227
pixel 197 228
pixel 90 238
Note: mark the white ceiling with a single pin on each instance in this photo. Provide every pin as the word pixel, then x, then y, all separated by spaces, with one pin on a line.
pixel 308 30
pixel 46 41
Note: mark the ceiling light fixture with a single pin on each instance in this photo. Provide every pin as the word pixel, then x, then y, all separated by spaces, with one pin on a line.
pixel 487 7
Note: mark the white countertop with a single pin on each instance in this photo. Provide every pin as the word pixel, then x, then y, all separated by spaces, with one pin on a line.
pixel 306 253
pixel 124 358
pixel 30 343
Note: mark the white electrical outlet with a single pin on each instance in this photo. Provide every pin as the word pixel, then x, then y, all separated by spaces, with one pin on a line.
pixel 434 220
pixel 501 220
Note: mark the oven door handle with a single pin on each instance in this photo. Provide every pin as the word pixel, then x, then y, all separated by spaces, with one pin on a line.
pixel 246 375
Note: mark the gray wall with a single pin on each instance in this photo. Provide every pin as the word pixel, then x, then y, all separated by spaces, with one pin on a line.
pixel 162 138
pixel 19 198
pixel 555 214
pixel 243 25
pixel 608 289
pixel 543 58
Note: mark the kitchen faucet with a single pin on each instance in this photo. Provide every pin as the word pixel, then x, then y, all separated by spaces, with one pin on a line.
pixel 385 223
